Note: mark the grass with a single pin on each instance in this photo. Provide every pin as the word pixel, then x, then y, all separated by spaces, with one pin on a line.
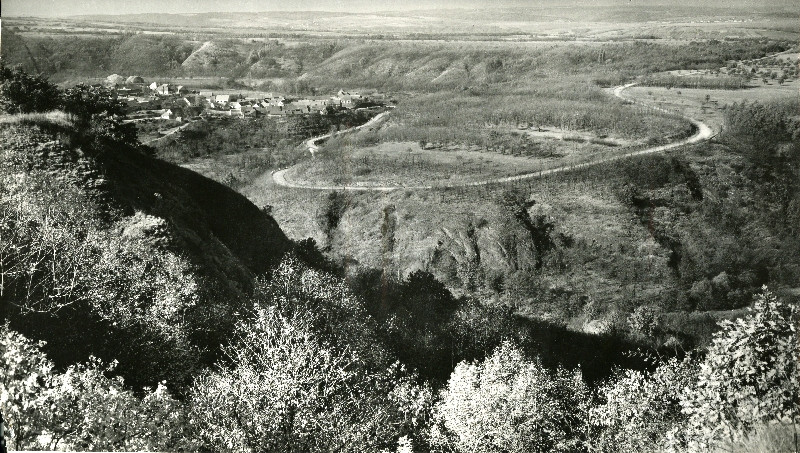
pixel 692 102
pixel 773 437
pixel 55 117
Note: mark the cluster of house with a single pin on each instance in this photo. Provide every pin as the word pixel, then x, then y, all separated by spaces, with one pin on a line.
pixel 176 102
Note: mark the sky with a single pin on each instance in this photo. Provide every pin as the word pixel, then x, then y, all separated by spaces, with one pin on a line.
pixel 80 7
pixel 60 8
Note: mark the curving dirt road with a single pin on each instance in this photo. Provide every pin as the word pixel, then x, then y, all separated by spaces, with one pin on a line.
pixel 704 132
pixel 171 131
pixel 311 143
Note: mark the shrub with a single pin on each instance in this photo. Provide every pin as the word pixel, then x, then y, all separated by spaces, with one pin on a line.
pixel 644 320
pixel 81 408
pixel 287 390
pixel 24 93
pixel 508 403
pixel 24 377
pixel 749 377
pixel 638 409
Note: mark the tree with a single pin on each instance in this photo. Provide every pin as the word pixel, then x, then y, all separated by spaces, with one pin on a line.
pixel 87 410
pixel 750 376
pixel 511 404
pixel 638 409
pixel 97 111
pixel 24 379
pixel 287 390
pixel 24 93
pixel 81 408
pixel 644 320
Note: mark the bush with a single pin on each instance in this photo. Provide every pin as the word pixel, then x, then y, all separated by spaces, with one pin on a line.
pixel 638 409
pixel 24 378
pixel 508 403
pixel 81 408
pixel 24 93
pixel 750 376
pixel 287 390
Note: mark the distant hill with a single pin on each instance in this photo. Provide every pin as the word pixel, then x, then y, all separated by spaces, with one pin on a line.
pixel 527 17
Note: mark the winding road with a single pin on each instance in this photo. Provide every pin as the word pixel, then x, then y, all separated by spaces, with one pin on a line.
pixel 171 131
pixel 311 143
pixel 703 132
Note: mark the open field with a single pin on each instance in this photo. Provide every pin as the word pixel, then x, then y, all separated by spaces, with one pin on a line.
pixel 709 105
pixel 407 164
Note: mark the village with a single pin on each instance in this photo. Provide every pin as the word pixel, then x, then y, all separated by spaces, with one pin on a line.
pixel 148 101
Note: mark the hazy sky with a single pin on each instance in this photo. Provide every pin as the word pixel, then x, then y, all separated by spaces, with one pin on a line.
pixel 81 7
pixel 77 7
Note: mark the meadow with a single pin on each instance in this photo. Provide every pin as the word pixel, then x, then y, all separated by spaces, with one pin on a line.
pixel 709 104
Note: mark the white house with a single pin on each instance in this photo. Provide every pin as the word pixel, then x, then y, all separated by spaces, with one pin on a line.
pixel 222 100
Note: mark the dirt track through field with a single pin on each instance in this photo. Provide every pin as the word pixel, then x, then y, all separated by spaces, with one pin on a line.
pixel 703 132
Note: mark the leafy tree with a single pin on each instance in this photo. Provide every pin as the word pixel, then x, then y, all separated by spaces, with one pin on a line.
pixel 97 111
pixel 21 92
pixel 750 376
pixel 285 389
pixel 638 409
pixel 85 101
pixel 24 379
pixel 508 403
pixel 82 408
pixel 88 410
pixel 644 320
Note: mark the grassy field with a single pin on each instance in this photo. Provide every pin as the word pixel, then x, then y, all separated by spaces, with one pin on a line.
pixel 709 105
pixel 406 164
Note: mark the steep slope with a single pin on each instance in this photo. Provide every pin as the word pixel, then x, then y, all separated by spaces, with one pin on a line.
pixel 107 251
pixel 199 209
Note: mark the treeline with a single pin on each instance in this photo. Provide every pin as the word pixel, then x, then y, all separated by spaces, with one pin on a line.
pixel 712 83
